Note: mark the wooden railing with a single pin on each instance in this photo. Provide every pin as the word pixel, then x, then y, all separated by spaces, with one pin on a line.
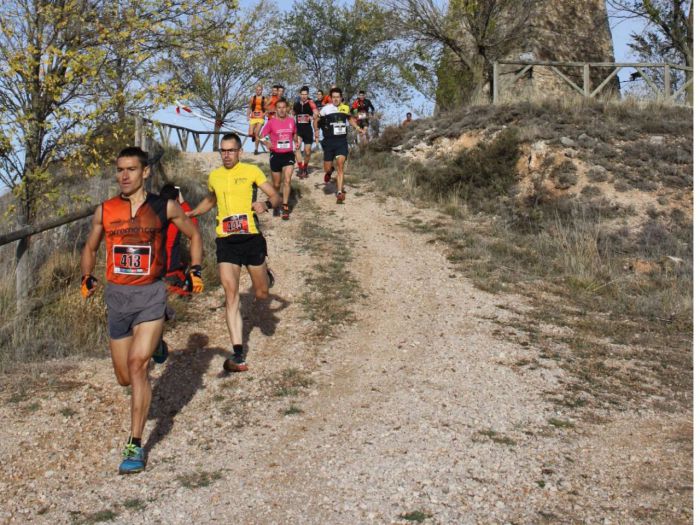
pixel 664 93
pixel 165 133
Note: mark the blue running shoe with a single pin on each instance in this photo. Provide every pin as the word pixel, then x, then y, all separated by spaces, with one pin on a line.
pixel 161 353
pixel 134 460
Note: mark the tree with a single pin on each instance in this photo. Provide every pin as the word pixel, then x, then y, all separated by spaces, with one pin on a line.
pixel 350 46
pixel 48 53
pixel 218 73
pixel 668 35
pixel 474 33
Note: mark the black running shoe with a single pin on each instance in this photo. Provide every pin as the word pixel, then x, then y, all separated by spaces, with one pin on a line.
pixel 235 363
pixel 161 353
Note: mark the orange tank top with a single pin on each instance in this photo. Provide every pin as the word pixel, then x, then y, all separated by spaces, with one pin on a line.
pixel 257 106
pixel 136 252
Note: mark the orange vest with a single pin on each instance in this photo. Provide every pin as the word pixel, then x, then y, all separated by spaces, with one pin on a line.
pixel 257 106
pixel 136 252
pixel 271 105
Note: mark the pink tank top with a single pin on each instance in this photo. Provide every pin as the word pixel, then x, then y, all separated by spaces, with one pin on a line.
pixel 281 134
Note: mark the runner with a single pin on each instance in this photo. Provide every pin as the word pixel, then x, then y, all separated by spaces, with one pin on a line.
pixel 305 112
pixel 256 116
pixel 409 119
pixel 281 131
pixel 334 124
pixel 319 100
pixel 134 225
pixel 363 110
pixel 272 102
pixel 232 189
pixel 175 278
pixel 280 92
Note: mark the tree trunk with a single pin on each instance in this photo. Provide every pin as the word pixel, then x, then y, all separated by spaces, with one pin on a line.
pixel 217 130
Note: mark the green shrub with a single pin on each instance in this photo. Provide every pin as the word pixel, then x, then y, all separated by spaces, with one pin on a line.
pixel 478 175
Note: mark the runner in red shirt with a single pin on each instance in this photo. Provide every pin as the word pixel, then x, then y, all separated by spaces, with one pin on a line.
pixel 175 278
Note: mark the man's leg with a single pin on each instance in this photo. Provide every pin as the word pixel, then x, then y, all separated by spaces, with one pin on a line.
pixel 258 275
pixel 340 162
pixel 119 348
pixel 230 275
pixel 297 156
pixel 256 133
pixel 147 335
pixel 307 157
pixel 287 189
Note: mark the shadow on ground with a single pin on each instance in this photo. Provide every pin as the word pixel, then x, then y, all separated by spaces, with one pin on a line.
pixel 183 377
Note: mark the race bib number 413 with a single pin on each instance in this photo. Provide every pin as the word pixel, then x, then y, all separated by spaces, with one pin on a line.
pixel 131 260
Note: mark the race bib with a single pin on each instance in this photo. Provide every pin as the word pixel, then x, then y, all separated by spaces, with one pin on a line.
pixel 283 144
pixel 131 260
pixel 362 115
pixel 258 114
pixel 236 224
pixel 339 128
pixel 303 118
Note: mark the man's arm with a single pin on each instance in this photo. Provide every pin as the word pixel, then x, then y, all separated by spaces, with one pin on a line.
pixel 88 257
pixel 275 199
pixel 177 216
pixel 204 206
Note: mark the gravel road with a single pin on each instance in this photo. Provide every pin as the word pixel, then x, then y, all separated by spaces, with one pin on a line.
pixel 414 411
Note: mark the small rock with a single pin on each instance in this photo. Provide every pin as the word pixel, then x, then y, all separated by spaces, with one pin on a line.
pixel 571 153
pixel 566 141
pixel 657 140
pixel 539 146
pixel 583 137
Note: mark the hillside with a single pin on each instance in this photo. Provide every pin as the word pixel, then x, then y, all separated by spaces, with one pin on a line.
pixel 492 329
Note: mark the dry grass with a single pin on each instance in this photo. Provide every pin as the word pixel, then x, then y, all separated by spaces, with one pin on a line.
pixel 568 252
pixel 327 300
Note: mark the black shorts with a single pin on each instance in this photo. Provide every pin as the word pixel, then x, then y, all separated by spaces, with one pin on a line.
pixel 306 132
pixel 331 150
pixel 280 160
pixel 241 250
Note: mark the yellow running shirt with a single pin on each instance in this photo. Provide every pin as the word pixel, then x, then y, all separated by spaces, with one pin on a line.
pixel 235 192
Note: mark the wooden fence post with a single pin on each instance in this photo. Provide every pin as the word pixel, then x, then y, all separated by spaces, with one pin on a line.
pixel 667 83
pixel 494 94
pixel 587 80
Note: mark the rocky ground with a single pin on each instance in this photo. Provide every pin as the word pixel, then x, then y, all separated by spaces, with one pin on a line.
pixel 412 410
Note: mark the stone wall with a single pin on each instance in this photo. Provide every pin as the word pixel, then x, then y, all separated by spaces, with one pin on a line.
pixel 559 31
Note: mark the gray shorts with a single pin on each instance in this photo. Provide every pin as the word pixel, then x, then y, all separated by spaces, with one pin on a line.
pixel 129 305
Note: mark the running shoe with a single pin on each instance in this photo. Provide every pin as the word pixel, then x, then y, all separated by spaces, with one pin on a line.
pixel 134 459
pixel 285 212
pixel 276 212
pixel 256 152
pixel 270 278
pixel 235 363
pixel 340 197
pixel 161 353
pixel 327 177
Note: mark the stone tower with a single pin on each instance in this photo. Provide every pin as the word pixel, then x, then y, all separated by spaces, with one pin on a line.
pixel 558 31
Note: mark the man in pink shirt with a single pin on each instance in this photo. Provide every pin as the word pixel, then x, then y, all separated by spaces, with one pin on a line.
pixel 279 135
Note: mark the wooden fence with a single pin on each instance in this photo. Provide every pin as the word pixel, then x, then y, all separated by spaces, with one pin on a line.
pixel 664 93
pixel 165 133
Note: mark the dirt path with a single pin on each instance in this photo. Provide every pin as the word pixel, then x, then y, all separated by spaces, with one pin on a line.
pixel 417 409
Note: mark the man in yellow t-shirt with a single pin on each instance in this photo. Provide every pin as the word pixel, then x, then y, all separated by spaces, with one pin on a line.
pixel 239 242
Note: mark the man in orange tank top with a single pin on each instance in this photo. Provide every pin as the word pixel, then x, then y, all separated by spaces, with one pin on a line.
pixel 134 226
pixel 256 115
